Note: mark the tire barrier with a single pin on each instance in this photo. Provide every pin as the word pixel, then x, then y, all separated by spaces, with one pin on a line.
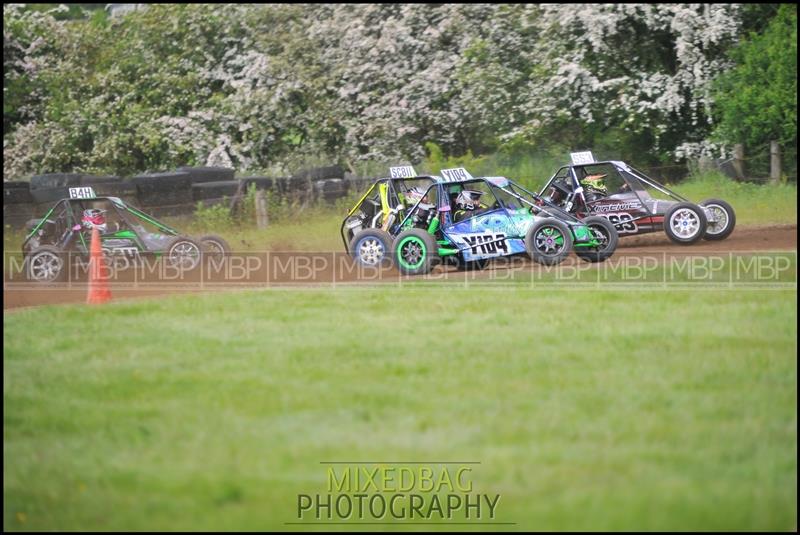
pixel 163 189
pixel 16 215
pixel 321 173
pixel 16 193
pixel 214 190
pixel 198 175
pixel 92 180
pixel 176 192
pixel 51 187
pixel 331 189
pixel 261 182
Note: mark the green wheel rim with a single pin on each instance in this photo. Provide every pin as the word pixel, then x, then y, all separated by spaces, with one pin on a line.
pixel 405 250
pixel 549 240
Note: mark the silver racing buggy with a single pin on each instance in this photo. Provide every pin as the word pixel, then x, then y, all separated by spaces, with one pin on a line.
pixel 634 202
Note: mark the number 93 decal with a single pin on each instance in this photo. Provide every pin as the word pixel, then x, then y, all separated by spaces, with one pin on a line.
pixel 622 222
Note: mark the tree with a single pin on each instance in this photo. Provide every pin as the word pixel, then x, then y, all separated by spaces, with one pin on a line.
pixel 756 102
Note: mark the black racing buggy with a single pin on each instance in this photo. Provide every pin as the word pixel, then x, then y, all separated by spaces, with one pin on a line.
pixel 634 202
pixel 127 234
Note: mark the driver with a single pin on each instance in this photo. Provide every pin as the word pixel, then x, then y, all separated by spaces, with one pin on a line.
pixel 94 218
pixel 594 186
pixel 468 204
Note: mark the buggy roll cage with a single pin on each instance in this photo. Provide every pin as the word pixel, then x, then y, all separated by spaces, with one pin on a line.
pixel 123 210
pixel 626 172
pixel 391 195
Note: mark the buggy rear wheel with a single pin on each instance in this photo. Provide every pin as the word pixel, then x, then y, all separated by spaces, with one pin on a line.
pixel 214 246
pixel 371 247
pixel 548 242
pixel 724 219
pixel 685 223
pixel 605 233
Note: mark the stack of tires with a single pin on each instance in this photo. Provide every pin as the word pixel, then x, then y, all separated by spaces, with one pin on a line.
pixel 164 193
pixel 327 183
pixel 18 205
pixel 211 185
pixel 112 186
pixel 260 182
pixel 52 187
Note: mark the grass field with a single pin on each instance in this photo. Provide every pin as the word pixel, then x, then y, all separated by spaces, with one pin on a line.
pixel 590 409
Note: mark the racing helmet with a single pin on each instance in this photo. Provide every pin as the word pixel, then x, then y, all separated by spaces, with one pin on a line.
pixel 94 218
pixel 596 182
pixel 468 199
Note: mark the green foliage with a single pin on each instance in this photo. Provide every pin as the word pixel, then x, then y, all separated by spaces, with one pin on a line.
pixel 216 218
pixel 756 101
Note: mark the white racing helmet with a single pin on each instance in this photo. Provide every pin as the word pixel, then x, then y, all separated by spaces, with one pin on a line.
pixel 94 218
pixel 468 199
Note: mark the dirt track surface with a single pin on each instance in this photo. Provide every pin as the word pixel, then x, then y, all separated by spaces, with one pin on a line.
pixel 328 269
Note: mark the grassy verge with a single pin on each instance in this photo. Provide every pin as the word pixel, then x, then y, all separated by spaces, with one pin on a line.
pixel 676 411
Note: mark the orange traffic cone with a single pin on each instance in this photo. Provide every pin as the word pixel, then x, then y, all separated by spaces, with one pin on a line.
pixel 98 273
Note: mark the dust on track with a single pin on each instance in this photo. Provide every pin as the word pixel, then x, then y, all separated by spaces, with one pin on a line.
pixel 329 269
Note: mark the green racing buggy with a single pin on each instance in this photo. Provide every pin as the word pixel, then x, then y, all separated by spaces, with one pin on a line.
pixel 126 233
pixel 416 221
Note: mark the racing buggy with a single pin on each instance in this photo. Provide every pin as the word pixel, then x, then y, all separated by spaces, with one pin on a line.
pixel 634 202
pixel 64 233
pixel 417 221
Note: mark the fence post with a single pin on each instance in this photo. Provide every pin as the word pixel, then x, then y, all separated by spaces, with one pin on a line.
pixel 261 210
pixel 738 160
pixel 774 161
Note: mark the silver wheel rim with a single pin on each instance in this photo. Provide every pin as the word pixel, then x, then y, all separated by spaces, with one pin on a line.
pixel 721 216
pixel 546 243
pixel 684 223
pixel 184 255
pixel 45 266
pixel 371 251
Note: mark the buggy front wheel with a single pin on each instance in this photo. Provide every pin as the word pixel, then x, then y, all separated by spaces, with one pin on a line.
pixel 548 242
pixel 685 223
pixel 415 252
pixel 45 264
